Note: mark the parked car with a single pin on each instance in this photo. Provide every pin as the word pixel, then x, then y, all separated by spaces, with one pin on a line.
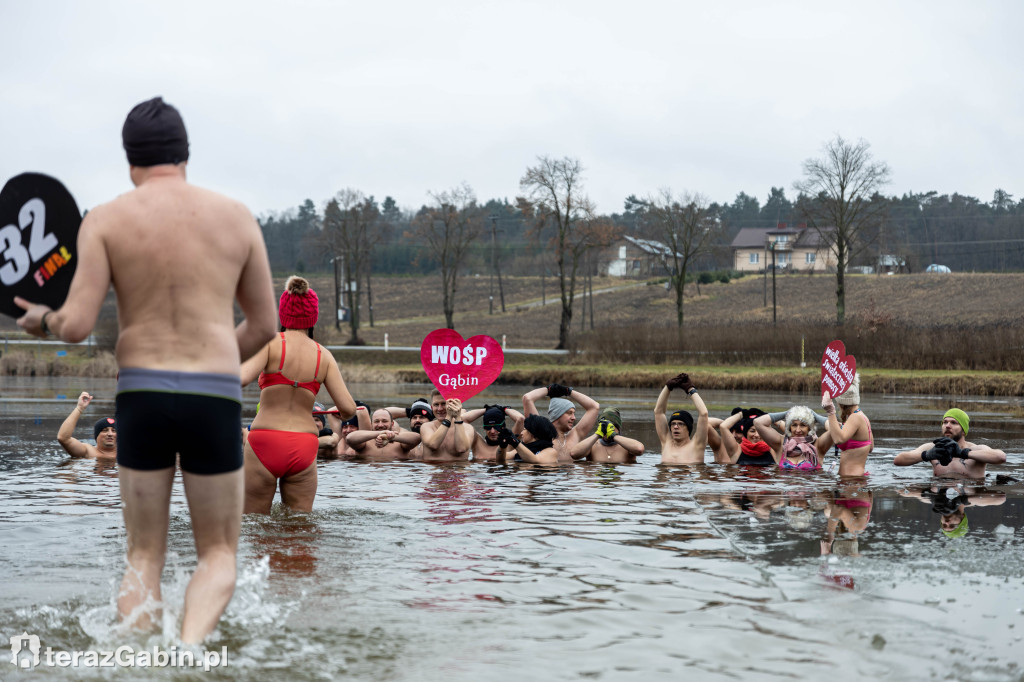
pixel 935 267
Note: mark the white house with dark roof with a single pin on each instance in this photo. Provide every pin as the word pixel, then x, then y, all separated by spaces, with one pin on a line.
pixel 797 248
pixel 633 257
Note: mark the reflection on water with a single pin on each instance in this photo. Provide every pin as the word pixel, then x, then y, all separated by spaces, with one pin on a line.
pixel 407 571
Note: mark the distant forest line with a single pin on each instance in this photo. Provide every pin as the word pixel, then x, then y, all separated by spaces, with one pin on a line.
pixel 962 232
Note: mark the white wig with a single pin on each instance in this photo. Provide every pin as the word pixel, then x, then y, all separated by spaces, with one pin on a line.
pixel 802 414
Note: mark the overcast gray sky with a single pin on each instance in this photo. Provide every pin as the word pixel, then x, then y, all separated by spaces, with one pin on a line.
pixel 289 100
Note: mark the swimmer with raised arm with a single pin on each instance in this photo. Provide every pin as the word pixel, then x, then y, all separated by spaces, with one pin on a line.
pixel 682 441
pixel 104 432
pixel 562 415
pixel 799 447
pixel 486 445
pixel 750 449
pixel 850 429
pixel 536 445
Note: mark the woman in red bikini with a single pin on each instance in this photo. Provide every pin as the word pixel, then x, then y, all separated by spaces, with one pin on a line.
pixel 283 442
pixel 850 430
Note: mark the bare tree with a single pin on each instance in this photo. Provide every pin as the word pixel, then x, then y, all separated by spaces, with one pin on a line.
pixel 843 203
pixel 555 201
pixel 449 227
pixel 345 234
pixel 687 227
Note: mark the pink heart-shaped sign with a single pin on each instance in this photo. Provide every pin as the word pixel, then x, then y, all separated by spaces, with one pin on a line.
pixel 460 368
pixel 837 369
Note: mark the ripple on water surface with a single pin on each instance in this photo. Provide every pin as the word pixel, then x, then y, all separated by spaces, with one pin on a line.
pixel 419 572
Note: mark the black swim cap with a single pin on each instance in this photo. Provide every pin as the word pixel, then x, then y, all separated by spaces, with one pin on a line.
pixel 102 424
pixel 494 416
pixel 154 134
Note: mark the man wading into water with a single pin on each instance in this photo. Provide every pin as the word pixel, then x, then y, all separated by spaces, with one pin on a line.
pixel 178 257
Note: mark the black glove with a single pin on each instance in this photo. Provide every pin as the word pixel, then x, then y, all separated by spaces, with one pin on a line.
pixel 325 432
pixel 681 380
pixel 558 391
pixel 944 451
pixel 507 439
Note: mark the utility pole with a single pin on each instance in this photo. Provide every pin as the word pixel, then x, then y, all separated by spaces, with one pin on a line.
pixel 490 296
pixel 773 283
pixel 765 287
pixel 590 278
pixel 495 263
pixel 337 295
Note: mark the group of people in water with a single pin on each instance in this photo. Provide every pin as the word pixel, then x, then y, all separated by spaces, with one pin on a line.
pixel 291 430
pixel 180 257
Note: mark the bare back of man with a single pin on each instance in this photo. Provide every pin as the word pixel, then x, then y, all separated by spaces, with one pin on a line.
pixel 178 256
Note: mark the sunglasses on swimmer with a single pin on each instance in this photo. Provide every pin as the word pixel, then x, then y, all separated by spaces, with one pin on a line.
pixel 495 425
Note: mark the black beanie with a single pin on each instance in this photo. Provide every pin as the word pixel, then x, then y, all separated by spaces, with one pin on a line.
pixel 102 424
pixel 683 416
pixel 154 134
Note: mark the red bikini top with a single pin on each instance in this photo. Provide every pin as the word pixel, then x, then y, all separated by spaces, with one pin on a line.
pixel 279 379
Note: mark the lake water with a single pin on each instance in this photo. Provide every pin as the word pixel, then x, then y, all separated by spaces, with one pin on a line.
pixel 409 571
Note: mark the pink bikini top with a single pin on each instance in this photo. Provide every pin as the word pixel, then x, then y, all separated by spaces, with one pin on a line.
pixel 279 379
pixel 851 444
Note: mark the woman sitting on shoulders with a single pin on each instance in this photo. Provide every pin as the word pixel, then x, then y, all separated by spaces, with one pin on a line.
pixel 798 448
pixel 851 430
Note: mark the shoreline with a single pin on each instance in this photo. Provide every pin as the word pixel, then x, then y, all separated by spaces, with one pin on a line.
pixel 796 380
pixel 778 379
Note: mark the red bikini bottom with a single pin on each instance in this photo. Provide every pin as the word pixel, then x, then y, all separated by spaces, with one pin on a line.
pixel 284 452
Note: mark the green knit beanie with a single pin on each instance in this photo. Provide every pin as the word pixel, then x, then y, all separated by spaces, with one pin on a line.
pixel 961 418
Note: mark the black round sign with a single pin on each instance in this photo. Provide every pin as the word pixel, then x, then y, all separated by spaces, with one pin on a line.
pixel 39 223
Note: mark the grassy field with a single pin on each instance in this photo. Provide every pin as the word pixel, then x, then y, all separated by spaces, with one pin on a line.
pixel 407 308
pixel 963 322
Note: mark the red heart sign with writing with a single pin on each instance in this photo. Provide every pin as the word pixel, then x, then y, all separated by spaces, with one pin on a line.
pixel 460 368
pixel 837 369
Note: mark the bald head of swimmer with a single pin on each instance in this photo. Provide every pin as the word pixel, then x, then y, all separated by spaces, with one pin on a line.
pixel 383 421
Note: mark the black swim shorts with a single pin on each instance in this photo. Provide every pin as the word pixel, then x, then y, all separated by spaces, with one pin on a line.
pixel 162 414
